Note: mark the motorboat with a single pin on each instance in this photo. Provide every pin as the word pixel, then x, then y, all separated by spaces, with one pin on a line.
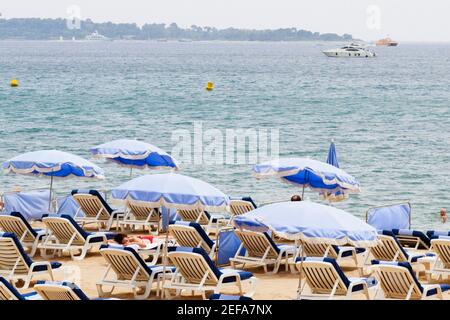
pixel 350 51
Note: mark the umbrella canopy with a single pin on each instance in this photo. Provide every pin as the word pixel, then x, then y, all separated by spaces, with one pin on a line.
pixel 52 163
pixel 332 155
pixel 318 176
pixel 134 154
pixel 173 190
pixel 309 222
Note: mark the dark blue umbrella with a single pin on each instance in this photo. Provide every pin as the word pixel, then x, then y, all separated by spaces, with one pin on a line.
pixel 332 156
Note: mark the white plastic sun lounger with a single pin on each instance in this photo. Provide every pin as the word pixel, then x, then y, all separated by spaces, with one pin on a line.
pixel 195 271
pixel 261 251
pixel 340 253
pixel 211 223
pixel 441 265
pixel 130 272
pixel 17 224
pixel 15 264
pixel 57 290
pixel 66 235
pixel 326 280
pixel 140 214
pixel 398 281
pixel 96 210
pixel 191 234
pixel 239 207
pixel 9 292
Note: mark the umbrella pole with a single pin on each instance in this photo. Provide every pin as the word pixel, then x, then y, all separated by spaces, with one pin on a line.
pixel 165 262
pixel 131 173
pixel 50 196
pixel 301 271
pixel 303 192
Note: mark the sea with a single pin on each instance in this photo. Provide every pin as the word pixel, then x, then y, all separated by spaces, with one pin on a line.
pixel 389 116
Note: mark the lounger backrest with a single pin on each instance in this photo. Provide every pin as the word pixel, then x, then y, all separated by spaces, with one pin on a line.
pixel 388 248
pixel 194 265
pixel 92 203
pixel 318 250
pixel 190 234
pixel 16 223
pixel 12 254
pixel 125 262
pixel 49 290
pixel 238 207
pixel 442 249
pixel 257 243
pixel 8 292
pixel 64 228
pixel 142 210
pixel 396 279
pixel 323 275
pixel 194 215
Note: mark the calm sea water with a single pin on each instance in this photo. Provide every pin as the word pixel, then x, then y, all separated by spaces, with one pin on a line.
pixel 389 116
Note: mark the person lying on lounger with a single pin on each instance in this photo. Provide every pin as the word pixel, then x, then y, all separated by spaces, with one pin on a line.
pixel 126 240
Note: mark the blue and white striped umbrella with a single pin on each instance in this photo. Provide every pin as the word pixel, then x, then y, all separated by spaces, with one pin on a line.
pixel 318 176
pixel 309 222
pixel 173 190
pixel 52 163
pixel 134 154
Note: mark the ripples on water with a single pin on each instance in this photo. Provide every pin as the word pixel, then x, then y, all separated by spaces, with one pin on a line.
pixel 388 115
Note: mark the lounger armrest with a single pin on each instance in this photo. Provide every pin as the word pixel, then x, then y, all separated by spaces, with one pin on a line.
pixel 429 287
pixel 357 282
pixel 95 235
pixel 231 274
pixel 40 263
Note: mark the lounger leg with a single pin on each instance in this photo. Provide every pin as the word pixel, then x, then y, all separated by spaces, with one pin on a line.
pixel 146 293
pixel 102 293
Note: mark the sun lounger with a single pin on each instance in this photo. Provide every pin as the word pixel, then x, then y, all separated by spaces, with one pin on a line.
pixel 261 251
pixel 229 297
pixel 412 238
pixel 434 233
pixel 130 270
pixel 191 234
pixel 238 207
pixel 195 271
pixel 66 235
pixel 441 265
pixel 326 280
pixel 9 292
pixel 209 222
pixel 398 281
pixel 96 209
pixel 15 264
pixel 389 249
pixel 140 214
pixel 339 253
pixel 60 290
pixel 17 224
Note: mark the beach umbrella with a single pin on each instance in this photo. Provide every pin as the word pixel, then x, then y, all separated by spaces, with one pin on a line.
pixel 134 154
pixel 306 221
pixel 171 190
pixel 52 164
pixel 332 155
pixel 318 176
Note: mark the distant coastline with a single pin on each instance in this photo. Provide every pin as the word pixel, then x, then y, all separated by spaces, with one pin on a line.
pixel 54 29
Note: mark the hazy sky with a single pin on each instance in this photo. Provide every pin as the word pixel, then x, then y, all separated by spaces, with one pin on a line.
pixel 407 20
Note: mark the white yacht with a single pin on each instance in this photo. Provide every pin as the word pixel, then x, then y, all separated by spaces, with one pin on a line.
pixel 95 36
pixel 350 51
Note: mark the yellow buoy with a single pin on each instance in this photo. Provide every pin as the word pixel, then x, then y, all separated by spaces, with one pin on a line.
pixel 14 83
pixel 209 86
